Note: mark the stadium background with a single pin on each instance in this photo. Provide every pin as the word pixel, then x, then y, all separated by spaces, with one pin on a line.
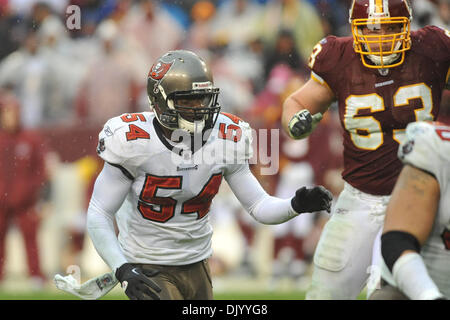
pixel 71 78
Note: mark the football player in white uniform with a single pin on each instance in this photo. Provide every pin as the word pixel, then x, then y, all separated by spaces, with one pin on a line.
pixel 165 167
pixel 415 244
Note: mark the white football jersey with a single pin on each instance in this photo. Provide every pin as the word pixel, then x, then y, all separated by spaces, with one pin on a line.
pixel 165 220
pixel 427 147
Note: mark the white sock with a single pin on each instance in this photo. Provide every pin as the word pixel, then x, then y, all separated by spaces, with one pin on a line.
pixel 412 278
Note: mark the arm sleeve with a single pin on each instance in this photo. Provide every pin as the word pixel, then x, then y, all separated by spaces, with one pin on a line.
pixel 110 190
pixel 261 206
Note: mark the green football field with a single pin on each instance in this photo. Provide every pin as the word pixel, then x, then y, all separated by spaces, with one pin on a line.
pixel 54 295
pixel 118 295
pixel 225 288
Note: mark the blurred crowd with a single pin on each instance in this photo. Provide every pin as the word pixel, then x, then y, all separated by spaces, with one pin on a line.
pixel 67 66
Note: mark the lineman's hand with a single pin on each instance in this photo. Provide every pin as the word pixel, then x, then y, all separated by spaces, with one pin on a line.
pixel 303 123
pixel 136 282
pixel 312 199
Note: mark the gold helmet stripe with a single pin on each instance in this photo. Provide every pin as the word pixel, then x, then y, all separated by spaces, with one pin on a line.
pixel 378 6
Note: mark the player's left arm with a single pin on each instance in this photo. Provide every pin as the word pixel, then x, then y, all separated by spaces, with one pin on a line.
pixel 272 210
pixel 408 223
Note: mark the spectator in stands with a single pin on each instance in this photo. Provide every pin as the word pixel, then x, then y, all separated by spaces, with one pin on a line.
pixel 284 51
pixel 12 29
pixel 235 24
pixel 198 37
pixel 334 15
pixel 299 16
pixel 25 71
pixel 109 88
pixel 431 12
pixel 236 21
pixel 153 28
pixel 93 12
pixel 65 69
pixel 22 176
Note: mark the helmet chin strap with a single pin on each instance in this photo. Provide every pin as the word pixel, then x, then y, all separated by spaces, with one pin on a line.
pixel 385 60
pixel 191 127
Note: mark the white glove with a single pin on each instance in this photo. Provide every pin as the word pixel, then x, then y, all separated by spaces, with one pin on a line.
pixel 92 289
pixel 303 124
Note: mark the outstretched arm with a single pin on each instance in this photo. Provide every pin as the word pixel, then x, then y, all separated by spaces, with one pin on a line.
pixel 272 210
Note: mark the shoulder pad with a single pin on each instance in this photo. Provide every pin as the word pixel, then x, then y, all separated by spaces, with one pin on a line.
pixel 235 137
pixel 124 140
pixel 427 146
pixel 328 53
pixel 432 42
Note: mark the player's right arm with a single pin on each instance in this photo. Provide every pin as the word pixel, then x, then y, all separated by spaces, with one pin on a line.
pixel 121 144
pixel 110 190
pixel 303 109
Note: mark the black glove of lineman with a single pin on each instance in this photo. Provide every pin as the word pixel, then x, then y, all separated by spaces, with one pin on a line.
pixel 136 283
pixel 303 123
pixel 312 199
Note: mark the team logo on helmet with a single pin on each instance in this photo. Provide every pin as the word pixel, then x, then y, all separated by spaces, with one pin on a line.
pixel 159 70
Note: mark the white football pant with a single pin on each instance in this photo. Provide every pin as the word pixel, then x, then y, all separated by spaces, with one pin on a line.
pixel 343 255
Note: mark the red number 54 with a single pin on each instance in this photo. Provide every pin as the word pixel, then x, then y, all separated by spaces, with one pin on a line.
pixel 134 131
pixel 199 204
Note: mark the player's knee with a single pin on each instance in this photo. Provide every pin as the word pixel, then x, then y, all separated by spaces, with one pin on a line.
pixel 330 285
pixel 320 291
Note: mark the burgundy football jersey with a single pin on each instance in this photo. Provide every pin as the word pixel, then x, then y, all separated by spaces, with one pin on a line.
pixel 374 109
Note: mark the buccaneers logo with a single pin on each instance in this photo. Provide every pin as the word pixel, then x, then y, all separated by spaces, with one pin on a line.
pixel 159 69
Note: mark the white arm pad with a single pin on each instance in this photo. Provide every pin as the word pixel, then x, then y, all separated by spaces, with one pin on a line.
pixel 255 200
pixel 110 190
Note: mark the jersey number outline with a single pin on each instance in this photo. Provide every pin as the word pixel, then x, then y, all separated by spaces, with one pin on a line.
pixel 135 132
pixel 232 131
pixel 444 134
pixel 315 52
pixel 366 132
pixel 199 204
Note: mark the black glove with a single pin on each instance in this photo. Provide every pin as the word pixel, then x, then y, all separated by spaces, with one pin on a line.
pixel 312 199
pixel 136 283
